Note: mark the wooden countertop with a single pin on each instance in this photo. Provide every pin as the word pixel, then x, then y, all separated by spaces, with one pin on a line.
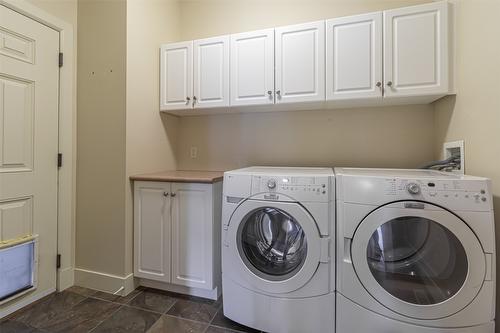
pixel 207 177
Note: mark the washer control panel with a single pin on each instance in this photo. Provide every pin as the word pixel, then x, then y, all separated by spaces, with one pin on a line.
pixel 300 188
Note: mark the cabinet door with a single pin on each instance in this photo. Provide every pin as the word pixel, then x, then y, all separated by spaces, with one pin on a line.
pixel 152 231
pixel 192 235
pixel 300 63
pixel 416 50
pixel 354 57
pixel 211 72
pixel 176 76
pixel 252 68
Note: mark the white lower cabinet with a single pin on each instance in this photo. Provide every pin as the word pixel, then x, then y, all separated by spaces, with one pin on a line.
pixel 177 236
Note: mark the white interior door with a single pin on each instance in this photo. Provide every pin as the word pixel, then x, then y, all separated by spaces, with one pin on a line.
pixel 176 76
pixel 300 63
pixel 192 235
pixel 29 83
pixel 252 68
pixel 211 72
pixel 416 50
pixel 152 230
pixel 354 57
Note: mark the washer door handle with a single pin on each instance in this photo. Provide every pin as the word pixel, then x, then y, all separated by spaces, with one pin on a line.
pixel 347 251
pixel 325 250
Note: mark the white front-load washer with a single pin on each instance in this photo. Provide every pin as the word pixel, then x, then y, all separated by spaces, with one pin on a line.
pixel 278 259
pixel 415 252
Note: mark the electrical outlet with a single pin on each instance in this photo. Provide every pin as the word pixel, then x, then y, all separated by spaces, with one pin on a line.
pixel 194 152
pixel 455 148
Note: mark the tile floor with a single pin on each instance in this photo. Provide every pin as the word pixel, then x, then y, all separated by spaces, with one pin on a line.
pixel 144 310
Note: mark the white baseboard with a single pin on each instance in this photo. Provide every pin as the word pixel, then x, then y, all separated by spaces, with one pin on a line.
pixel 121 285
pixel 65 278
pixel 210 294
pixel 24 302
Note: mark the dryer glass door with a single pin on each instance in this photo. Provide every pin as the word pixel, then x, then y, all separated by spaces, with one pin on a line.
pixel 273 243
pixel 418 259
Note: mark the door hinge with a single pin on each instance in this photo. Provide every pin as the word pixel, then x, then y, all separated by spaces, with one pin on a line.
pixel 58 261
pixel 59 160
pixel 61 59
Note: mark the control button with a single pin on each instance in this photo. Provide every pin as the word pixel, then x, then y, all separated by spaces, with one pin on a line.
pixel 324 192
pixel 413 188
pixel 467 196
pixel 431 184
pixel 483 192
pixel 271 183
pixel 323 185
pixel 484 199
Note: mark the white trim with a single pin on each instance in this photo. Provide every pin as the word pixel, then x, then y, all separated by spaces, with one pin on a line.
pixel 67 139
pixel 105 282
pixel 24 302
pixel 204 293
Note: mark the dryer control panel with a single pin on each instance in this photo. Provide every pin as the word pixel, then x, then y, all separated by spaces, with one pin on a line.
pixel 460 194
pixel 299 188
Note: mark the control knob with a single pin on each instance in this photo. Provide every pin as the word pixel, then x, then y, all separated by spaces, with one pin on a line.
pixel 271 183
pixel 413 188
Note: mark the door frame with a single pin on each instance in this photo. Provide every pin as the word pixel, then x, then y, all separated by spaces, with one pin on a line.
pixel 66 141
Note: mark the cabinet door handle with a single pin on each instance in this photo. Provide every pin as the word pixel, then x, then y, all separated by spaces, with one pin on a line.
pixel 278 92
pixel 173 195
pixel 194 100
pixel 188 99
pixel 270 93
pixel 379 84
pixel 165 194
pixel 389 83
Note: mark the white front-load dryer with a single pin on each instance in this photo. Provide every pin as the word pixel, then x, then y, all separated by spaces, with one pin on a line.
pixel 278 261
pixel 415 252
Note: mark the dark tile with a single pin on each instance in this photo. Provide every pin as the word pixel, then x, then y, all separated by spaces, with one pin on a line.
pixel 215 329
pixel 82 317
pixel 169 324
pixel 82 291
pixel 199 310
pixel 153 301
pixel 116 298
pixel 10 326
pixel 127 319
pixel 221 321
pixel 41 313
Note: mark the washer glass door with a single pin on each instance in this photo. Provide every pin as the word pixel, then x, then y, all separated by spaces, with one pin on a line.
pixel 417 260
pixel 272 243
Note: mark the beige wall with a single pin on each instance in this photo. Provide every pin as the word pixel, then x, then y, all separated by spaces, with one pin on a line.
pixel 100 229
pixel 390 136
pixel 375 137
pixel 474 114
pixel 150 135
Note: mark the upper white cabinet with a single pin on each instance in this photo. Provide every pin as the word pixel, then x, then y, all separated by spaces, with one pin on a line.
pixel 176 77
pixel 211 72
pixel 300 63
pixel 416 50
pixel 252 68
pixel 398 56
pixel 195 74
pixel 354 57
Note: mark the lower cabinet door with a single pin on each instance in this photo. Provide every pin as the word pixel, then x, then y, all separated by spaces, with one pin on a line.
pixel 192 235
pixel 152 231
